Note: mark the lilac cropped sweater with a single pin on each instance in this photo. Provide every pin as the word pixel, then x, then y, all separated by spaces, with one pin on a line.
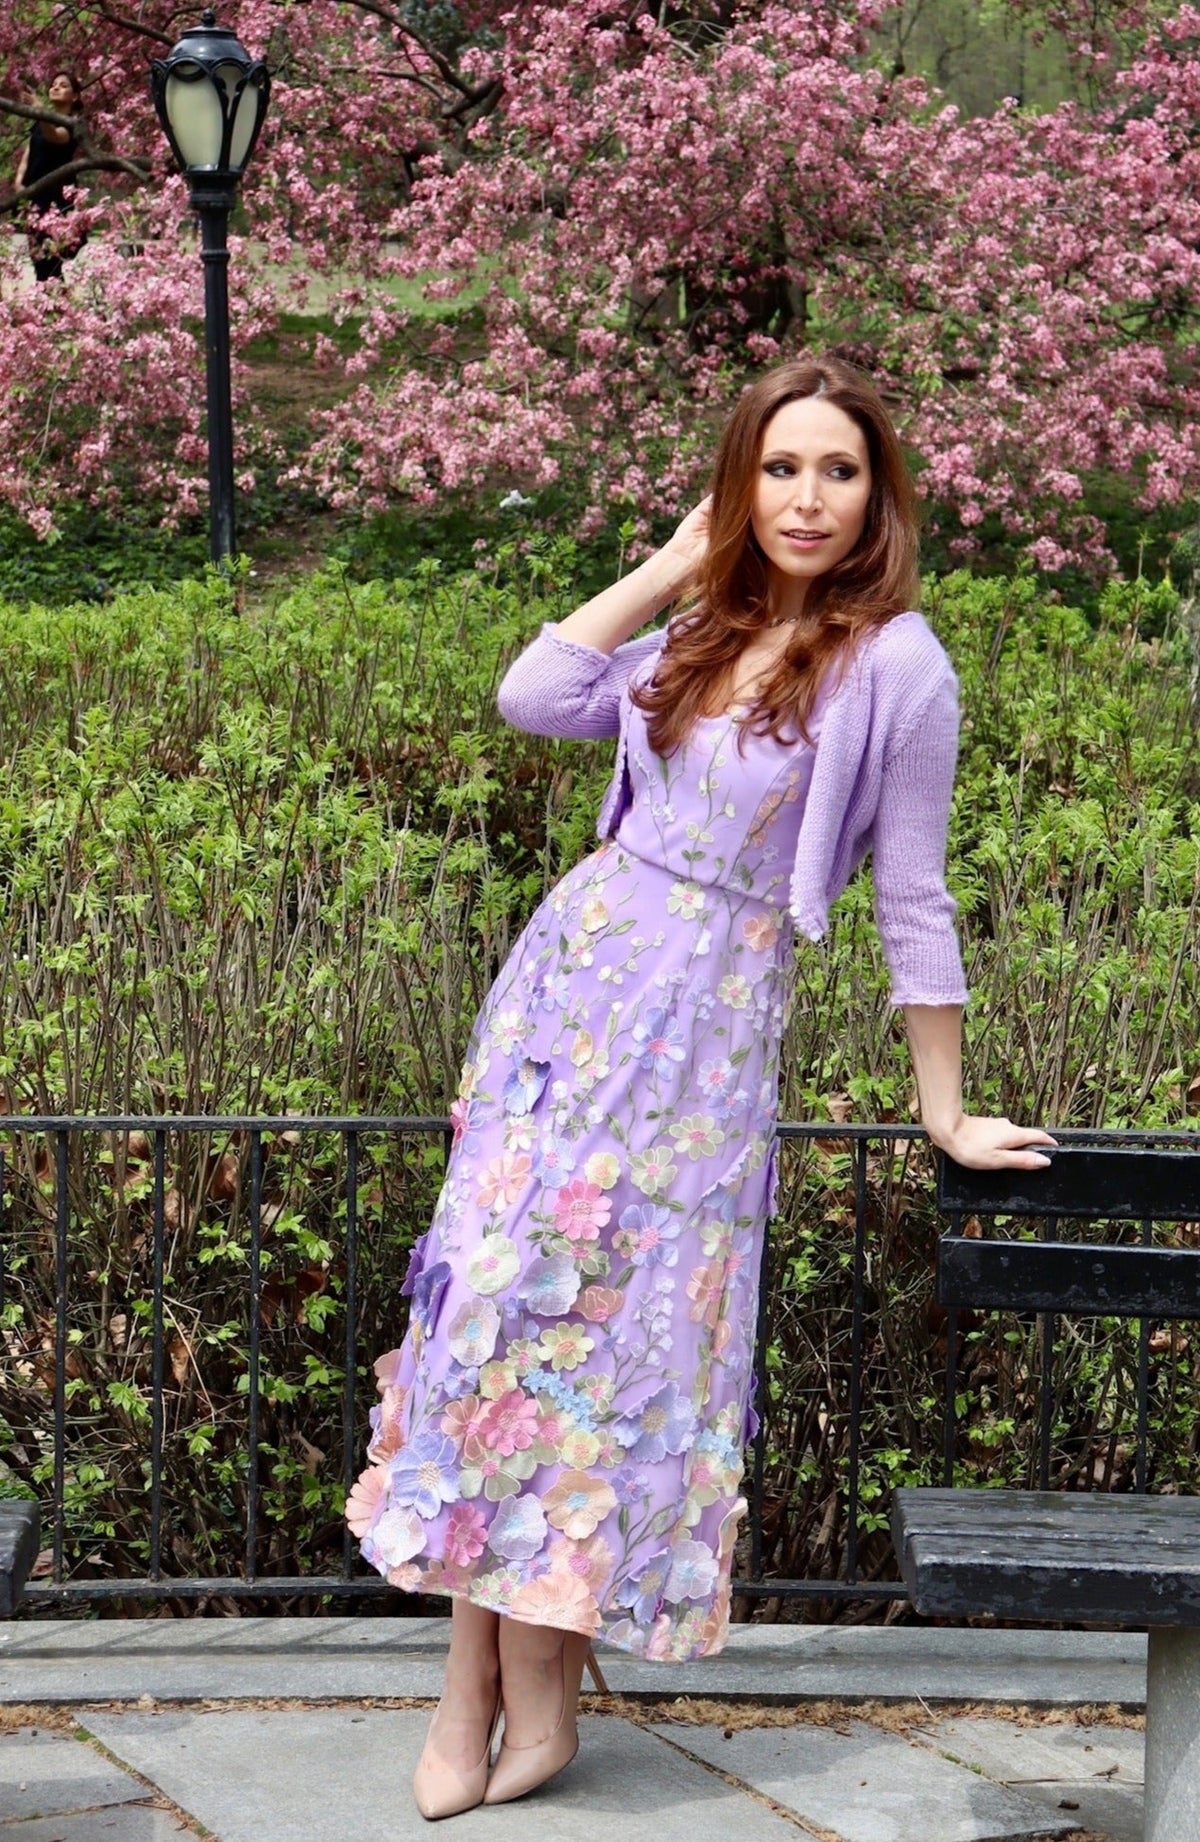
pixel 881 782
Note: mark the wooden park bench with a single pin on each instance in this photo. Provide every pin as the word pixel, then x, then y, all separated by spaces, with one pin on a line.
pixel 18 1549
pixel 1068 1557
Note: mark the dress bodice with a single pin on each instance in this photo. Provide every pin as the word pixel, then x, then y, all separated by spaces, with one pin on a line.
pixel 715 812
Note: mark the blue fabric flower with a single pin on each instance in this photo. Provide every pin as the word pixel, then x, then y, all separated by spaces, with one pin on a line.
pixel 523 1088
pixel 460 1381
pixel 659 1038
pixel 665 1423
pixel 554 1162
pixel 416 1261
pixel 693 1572
pixel 650 1232
pixel 550 1285
pixel 427 1294
pixel 518 1528
pixel 629 1486
pixel 644 1594
pixel 425 1475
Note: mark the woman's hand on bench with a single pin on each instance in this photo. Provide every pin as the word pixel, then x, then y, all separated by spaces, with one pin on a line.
pixel 980 1143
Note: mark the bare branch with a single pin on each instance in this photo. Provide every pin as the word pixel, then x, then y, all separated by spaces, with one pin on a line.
pixel 401 76
pixel 90 163
pixel 391 17
pixel 34 114
pixel 128 25
pixel 481 102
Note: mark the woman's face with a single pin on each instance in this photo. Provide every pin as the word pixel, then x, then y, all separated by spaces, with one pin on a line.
pixel 810 500
pixel 62 94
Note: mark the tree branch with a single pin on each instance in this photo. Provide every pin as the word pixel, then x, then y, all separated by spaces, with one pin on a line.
pixel 33 114
pixel 391 17
pixel 129 25
pixel 91 163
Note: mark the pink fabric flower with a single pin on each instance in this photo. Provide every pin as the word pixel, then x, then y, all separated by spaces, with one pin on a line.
pixel 504 1178
pixel 466 1535
pixel 704 1288
pixel 581 1210
pixel 508 1425
pixel 760 932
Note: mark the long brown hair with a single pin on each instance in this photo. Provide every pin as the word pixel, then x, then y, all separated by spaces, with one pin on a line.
pixel 877 580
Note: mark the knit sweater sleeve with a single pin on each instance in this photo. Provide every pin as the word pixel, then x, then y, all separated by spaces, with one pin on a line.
pixel 912 905
pixel 558 687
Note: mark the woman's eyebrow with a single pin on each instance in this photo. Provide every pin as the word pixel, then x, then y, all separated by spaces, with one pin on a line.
pixel 790 454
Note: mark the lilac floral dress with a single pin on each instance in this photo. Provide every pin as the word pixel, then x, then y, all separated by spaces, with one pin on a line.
pixel 560 1437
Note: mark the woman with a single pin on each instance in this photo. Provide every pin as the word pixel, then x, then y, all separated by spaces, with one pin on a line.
pixel 559 1444
pixel 49 148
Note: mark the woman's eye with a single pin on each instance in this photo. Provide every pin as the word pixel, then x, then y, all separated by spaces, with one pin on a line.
pixel 779 470
pixel 843 471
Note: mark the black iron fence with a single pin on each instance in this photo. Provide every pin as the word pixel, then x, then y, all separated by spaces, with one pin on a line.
pixel 852 1354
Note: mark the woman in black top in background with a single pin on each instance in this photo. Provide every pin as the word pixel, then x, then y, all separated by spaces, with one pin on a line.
pixel 48 149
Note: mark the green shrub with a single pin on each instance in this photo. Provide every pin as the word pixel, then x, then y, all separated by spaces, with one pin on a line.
pixel 269 860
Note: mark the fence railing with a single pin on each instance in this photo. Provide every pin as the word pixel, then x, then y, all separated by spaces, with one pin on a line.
pixel 40 1156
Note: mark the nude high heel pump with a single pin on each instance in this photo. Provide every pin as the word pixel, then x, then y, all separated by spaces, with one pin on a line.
pixel 439 1789
pixel 519 1769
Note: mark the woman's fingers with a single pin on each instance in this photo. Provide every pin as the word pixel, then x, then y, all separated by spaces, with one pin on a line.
pixel 996 1144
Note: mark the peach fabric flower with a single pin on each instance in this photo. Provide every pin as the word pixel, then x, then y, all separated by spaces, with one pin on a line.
pixel 577 1503
pixel 364 1499
pixel 560 1599
pixel 589 1561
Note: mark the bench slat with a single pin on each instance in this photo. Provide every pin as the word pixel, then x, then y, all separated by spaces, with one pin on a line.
pixel 1088 1182
pixel 1106 1281
pixel 1049 1556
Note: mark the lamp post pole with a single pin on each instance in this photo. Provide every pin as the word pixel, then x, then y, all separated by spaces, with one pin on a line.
pixel 212 206
pixel 211 97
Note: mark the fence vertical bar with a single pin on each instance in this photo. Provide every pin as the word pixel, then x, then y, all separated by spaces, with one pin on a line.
pixel 1143 1386
pixel 255 1321
pixel 156 1378
pixel 1047 1326
pixel 950 1418
pixel 856 1343
pixel 351 1352
pixel 760 1409
pixel 61 1205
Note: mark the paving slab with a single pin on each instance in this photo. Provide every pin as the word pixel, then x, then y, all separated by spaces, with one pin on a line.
pixel 1095 1772
pixel 193 1659
pixel 122 1823
pixel 42 1774
pixel 869 1786
pixel 325 1775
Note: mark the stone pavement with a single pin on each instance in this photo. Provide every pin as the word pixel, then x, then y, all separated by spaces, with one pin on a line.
pixel 797 1731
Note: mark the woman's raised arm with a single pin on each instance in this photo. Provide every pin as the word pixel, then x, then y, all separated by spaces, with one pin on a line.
pixel 616 613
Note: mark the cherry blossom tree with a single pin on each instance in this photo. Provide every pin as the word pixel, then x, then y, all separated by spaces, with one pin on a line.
pixel 633 205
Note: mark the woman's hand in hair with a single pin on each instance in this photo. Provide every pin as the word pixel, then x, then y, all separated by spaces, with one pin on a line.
pixel 690 541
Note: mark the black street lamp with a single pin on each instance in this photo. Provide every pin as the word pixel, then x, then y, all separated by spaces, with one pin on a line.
pixel 211 97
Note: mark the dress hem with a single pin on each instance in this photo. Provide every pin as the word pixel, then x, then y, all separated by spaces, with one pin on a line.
pixel 440 1590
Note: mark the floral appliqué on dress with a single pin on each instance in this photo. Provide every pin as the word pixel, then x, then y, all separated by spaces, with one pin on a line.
pixel 561 1435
